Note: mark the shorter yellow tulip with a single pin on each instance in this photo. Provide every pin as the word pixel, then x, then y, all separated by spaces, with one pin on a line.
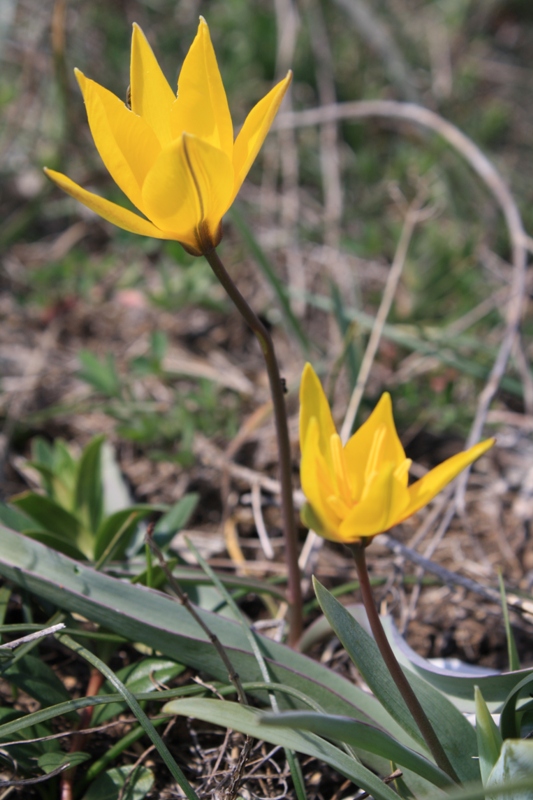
pixel 173 156
pixel 361 489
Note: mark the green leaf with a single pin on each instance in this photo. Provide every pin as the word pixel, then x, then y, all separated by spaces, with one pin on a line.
pixel 5 594
pixel 101 375
pixel 514 660
pixel 160 622
pixel 58 470
pixel 88 491
pixel 456 735
pixel 142 718
pixel 457 686
pixel 489 740
pixel 14 519
pixel 364 737
pixel 510 717
pixel 158 345
pixel 176 518
pixel 34 676
pixel 143 676
pixel 48 514
pixel 247 720
pixel 515 762
pixel 119 528
pixel 109 785
pixel 50 761
pixel 476 791
pixel 56 542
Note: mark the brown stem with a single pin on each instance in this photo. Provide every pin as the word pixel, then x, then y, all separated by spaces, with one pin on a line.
pixel 398 676
pixel 282 433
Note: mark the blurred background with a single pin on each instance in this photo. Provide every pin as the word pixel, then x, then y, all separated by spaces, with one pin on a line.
pixel 103 331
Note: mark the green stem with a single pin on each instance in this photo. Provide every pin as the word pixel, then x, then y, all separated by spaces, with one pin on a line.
pixel 282 433
pixel 398 676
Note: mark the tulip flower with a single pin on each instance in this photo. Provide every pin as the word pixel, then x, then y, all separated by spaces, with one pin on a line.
pixel 360 489
pixel 173 156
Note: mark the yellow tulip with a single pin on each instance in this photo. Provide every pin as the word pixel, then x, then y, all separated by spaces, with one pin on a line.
pixel 361 489
pixel 174 157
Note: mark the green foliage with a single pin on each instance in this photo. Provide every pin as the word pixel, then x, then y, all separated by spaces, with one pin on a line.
pixel 447 273
pixel 200 406
pixel 122 783
pixel 101 374
pixel 71 516
pixel 489 740
pixel 332 713
pixel 514 661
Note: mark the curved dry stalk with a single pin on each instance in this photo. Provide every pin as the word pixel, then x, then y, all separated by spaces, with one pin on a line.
pixel 288 25
pixel 413 216
pixel 329 145
pixel 520 242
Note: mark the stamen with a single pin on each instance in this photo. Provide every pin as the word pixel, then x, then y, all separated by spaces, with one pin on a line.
pixel 338 506
pixel 374 455
pixel 339 468
pixel 402 469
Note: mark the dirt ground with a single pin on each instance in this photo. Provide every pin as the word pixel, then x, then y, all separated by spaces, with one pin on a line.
pixel 41 371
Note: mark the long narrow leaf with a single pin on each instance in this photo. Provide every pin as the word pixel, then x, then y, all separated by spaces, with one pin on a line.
pixel 509 722
pixel 514 660
pixel 149 729
pixel 456 735
pixel 247 720
pixel 458 685
pixel 362 736
pixel 489 739
pixel 88 493
pixel 141 614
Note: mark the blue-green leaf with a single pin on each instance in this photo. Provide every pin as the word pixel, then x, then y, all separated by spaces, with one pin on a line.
pixel 175 518
pixel 247 720
pixel 48 514
pixel 489 739
pixel 362 736
pixel 111 784
pixel 456 735
pixel 88 492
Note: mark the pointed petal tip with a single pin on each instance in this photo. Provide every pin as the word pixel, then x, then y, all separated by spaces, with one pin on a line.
pixel 137 33
pixel 308 370
pixel 80 77
pixel 203 28
pixel 309 381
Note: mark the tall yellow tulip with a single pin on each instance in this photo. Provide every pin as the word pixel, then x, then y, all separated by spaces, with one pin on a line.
pixel 361 489
pixel 174 157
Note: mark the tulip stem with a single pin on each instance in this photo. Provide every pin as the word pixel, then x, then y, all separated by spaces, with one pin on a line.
pixel 282 433
pixel 411 700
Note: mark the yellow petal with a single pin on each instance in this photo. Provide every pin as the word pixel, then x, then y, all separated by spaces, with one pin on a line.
pixel 314 404
pixel 189 186
pixel 255 128
pixel 110 211
pixel 360 445
pixel 201 107
pixel 382 503
pixel 151 96
pixel 424 490
pixel 316 482
pixel 126 144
